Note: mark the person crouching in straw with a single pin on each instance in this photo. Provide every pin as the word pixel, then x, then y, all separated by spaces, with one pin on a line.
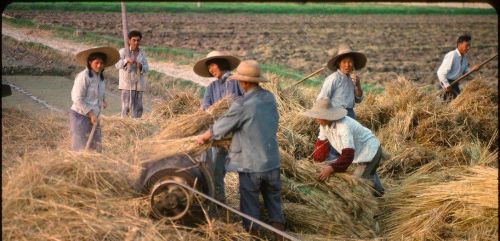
pixel 88 96
pixel 356 143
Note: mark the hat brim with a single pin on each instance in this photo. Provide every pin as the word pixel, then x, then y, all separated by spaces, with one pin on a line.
pixel 359 60
pixel 245 78
pixel 112 55
pixel 201 69
pixel 331 114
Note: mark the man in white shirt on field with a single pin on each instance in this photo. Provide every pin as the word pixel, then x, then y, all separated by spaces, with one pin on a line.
pixel 132 67
pixel 455 65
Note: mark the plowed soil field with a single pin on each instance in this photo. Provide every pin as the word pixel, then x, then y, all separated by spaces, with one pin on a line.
pixel 412 46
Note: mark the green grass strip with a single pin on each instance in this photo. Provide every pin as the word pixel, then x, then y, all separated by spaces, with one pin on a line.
pixel 249 8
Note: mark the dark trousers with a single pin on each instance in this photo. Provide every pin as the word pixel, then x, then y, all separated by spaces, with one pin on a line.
pixel 455 91
pixel 216 157
pixel 251 185
pixel 369 171
pixel 80 128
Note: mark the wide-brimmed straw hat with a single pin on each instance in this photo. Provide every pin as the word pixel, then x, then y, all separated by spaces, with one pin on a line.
pixel 248 71
pixel 323 109
pixel 201 68
pixel 359 59
pixel 112 55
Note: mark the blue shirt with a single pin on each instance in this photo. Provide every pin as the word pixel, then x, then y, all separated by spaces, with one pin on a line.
pixel 253 120
pixel 339 88
pixel 219 88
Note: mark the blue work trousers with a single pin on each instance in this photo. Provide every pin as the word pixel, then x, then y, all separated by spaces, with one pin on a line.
pixel 80 128
pixel 251 185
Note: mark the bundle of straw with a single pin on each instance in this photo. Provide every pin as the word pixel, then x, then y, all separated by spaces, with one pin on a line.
pixel 188 125
pixel 23 133
pixel 155 149
pixel 330 206
pixel 477 108
pixel 308 219
pixel 217 230
pixel 121 134
pixel 407 158
pixel 179 103
pixel 87 196
pixel 455 204
pixel 321 237
pixel 417 128
pixel 68 196
pixel 345 199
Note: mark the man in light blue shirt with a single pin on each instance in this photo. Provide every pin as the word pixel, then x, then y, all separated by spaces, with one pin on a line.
pixel 453 66
pixel 219 65
pixel 254 153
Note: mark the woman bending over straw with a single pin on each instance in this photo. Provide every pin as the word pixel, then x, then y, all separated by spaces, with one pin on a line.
pixel 356 143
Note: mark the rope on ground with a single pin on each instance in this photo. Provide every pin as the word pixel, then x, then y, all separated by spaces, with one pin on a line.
pixel 36 99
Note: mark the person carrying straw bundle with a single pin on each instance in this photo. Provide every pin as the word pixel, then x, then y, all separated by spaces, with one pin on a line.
pixel 357 143
pixel 88 97
pixel 455 65
pixel 254 152
pixel 131 69
pixel 342 88
pixel 219 65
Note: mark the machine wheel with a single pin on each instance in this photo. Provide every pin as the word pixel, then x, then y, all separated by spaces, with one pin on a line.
pixel 170 200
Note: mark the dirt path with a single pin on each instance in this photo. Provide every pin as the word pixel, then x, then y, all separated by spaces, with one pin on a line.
pixel 66 46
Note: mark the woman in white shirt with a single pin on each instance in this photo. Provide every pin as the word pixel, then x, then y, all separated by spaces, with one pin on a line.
pixel 356 143
pixel 88 96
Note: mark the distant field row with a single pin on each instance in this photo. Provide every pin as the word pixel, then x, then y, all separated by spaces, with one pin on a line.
pixel 250 8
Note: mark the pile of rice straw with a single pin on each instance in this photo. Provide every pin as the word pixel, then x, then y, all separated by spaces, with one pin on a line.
pixel 188 125
pixel 179 103
pixel 439 169
pixel 416 127
pixel 455 204
pixel 57 194
pixel 23 133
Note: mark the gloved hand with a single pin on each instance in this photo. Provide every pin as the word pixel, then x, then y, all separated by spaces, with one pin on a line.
pixel 321 150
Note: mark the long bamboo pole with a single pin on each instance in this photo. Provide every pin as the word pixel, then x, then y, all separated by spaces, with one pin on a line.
pixel 305 78
pixel 125 42
pixel 470 72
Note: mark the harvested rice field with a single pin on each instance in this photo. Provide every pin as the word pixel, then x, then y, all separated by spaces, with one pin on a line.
pixel 440 160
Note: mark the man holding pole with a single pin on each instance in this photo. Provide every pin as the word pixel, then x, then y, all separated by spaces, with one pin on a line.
pixel 455 65
pixel 132 66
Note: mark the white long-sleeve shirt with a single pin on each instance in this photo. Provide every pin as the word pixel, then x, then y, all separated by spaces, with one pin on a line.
pixel 348 133
pixel 128 79
pixel 454 65
pixel 87 93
